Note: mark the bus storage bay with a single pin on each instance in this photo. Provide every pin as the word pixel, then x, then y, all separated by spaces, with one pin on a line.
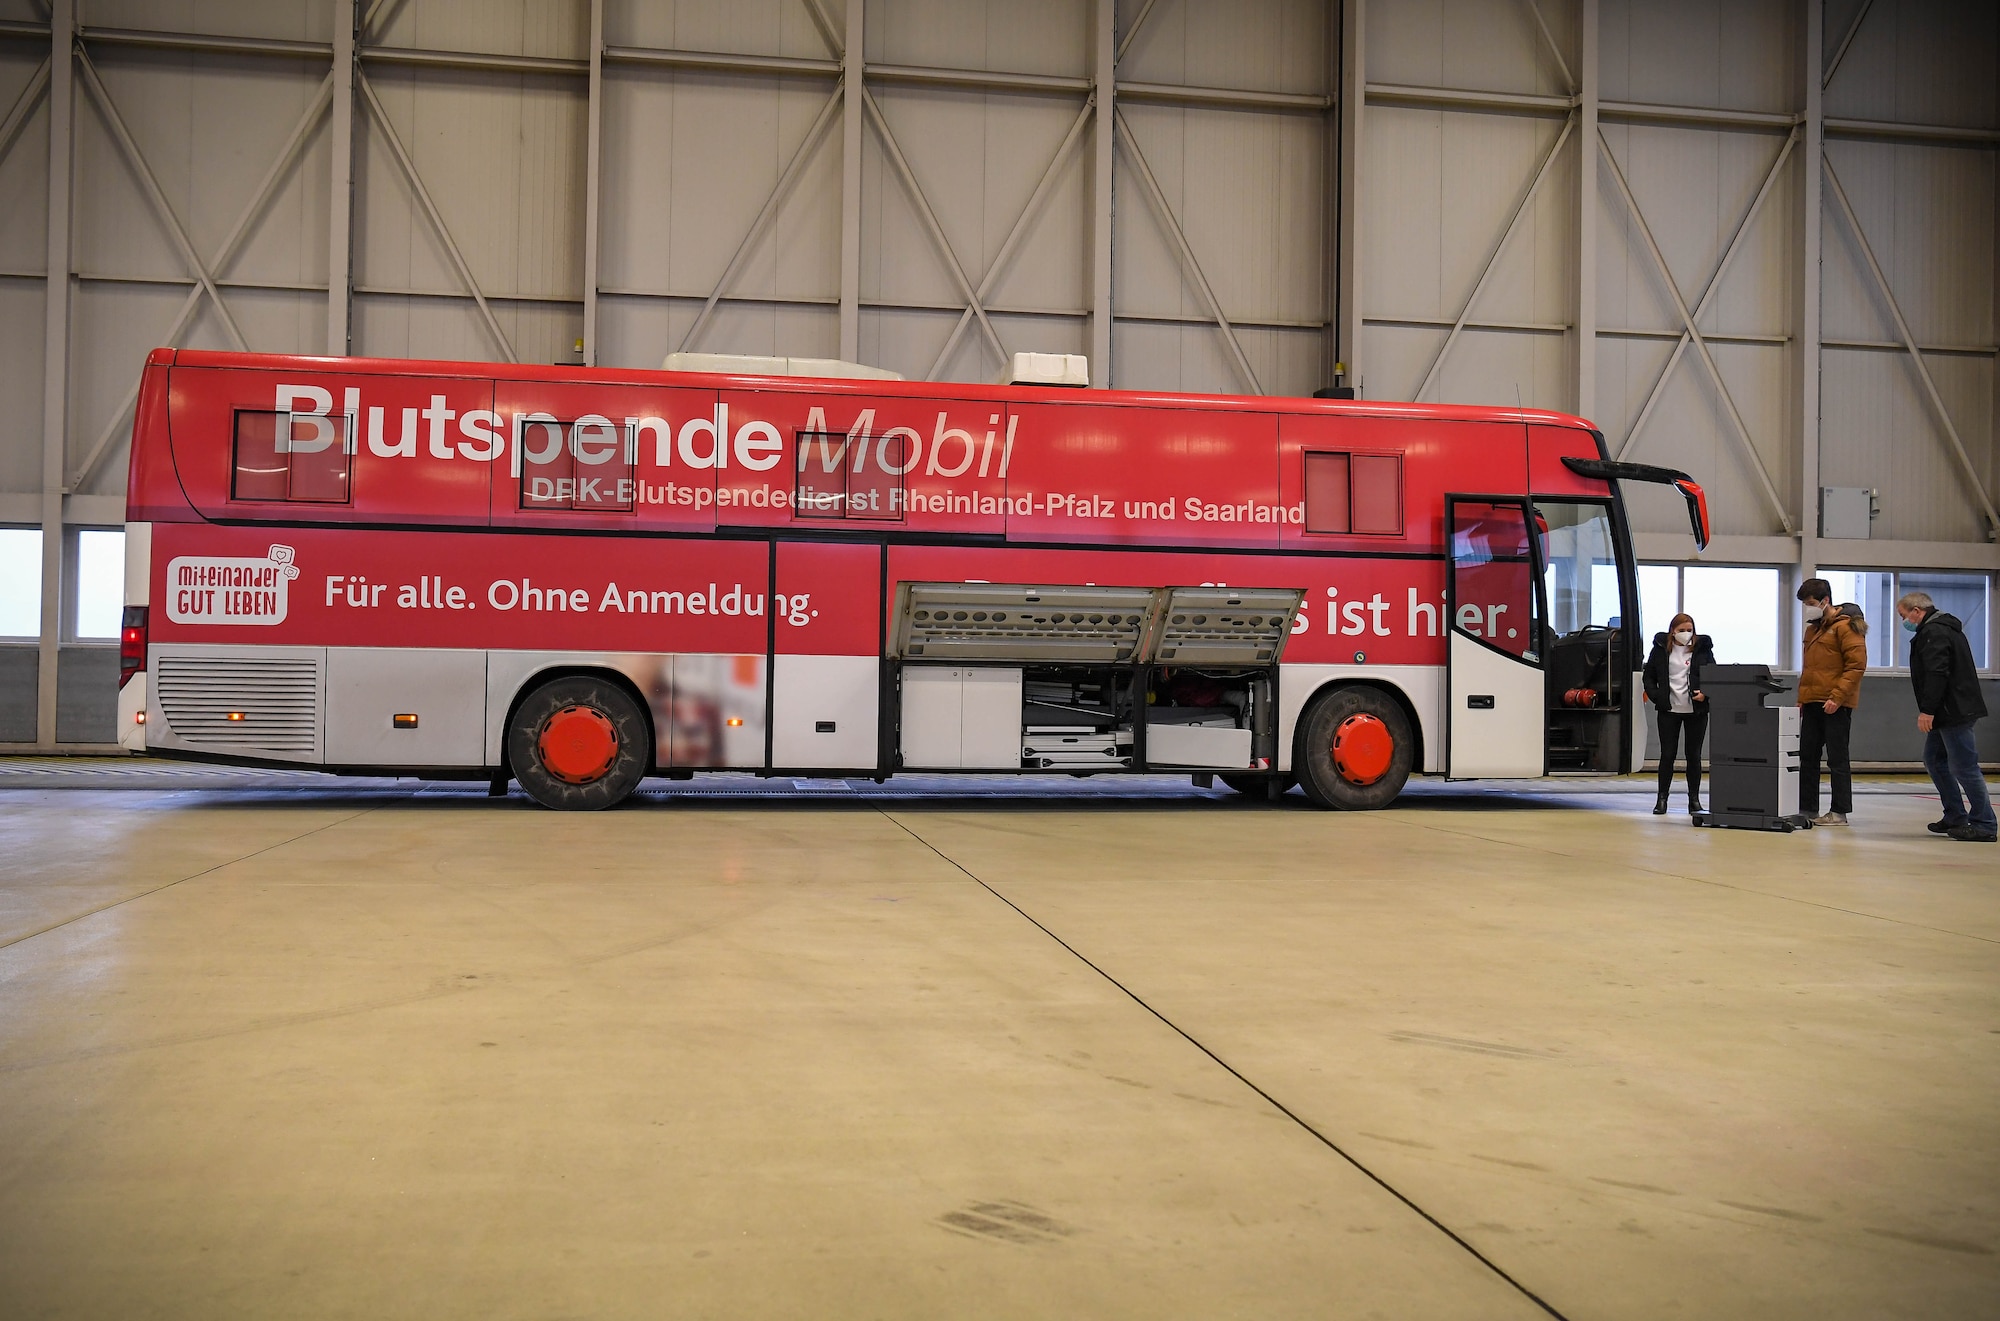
pixel 576 579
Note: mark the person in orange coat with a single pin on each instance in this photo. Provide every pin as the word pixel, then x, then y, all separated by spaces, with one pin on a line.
pixel 1835 657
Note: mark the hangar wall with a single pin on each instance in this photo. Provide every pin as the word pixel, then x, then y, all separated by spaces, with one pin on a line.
pixel 1445 199
pixel 1751 238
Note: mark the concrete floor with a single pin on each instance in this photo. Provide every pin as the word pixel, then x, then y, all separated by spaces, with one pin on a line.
pixel 308 1048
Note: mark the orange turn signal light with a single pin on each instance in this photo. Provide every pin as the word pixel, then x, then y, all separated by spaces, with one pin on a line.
pixel 734 721
pixel 403 721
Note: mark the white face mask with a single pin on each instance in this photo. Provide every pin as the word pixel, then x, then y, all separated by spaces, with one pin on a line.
pixel 1684 637
pixel 1813 614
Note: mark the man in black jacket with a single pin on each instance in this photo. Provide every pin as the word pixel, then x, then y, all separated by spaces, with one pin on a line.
pixel 1948 704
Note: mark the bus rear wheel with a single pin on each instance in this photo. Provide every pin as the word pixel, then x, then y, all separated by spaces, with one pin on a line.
pixel 578 744
pixel 1355 749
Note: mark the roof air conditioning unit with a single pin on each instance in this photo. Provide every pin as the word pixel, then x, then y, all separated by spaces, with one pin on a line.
pixel 1066 369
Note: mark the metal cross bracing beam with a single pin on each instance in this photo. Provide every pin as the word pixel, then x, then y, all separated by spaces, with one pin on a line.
pixel 1975 487
pixel 779 191
pixel 155 196
pixel 226 252
pixel 1014 235
pixel 24 105
pixel 1493 257
pixel 416 182
pixel 1549 38
pixel 1708 293
pixel 1741 430
pixel 1158 197
pixel 1840 52
pixel 929 217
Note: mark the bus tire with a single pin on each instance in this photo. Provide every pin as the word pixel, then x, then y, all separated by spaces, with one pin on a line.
pixel 579 744
pixel 1355 749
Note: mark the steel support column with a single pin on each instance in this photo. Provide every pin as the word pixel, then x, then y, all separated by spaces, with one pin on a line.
pixel 1353 96
pixel 1813 129
pixel 1587 107
pixel 340 185
pixel 593 163
pixel 55 360
pixel 1105 52
pixel 850 54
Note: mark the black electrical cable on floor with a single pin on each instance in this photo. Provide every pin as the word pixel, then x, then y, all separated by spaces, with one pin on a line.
pixel 1233 1072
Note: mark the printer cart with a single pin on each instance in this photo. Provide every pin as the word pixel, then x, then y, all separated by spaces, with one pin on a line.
pixel 1753 752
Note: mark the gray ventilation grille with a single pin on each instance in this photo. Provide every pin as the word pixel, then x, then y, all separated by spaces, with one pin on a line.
pixel 1102 625
pixel 1226 625
pixel 1004 622
pixel 242 703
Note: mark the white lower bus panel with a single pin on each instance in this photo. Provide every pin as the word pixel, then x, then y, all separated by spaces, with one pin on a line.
pixel 825 712
pixel 405 706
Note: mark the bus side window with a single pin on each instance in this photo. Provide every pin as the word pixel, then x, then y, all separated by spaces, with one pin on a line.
pixel 839 477
pixel 582 465
pixel 1327 493
pixel 1354 493
pixel 298 458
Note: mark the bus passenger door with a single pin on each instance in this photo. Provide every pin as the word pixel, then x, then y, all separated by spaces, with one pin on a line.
pixel 1495 688
pixel 826 662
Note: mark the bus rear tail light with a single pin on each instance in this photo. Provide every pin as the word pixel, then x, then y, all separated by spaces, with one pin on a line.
pixel 131 644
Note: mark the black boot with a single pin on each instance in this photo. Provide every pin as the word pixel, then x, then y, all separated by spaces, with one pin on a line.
pixel 1694 800
pixel 1660 804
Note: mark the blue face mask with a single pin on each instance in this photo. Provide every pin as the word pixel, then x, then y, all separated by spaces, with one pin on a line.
pixel 1908 627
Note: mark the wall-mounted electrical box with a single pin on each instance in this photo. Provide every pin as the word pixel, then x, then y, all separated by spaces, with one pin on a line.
pixel 1846 511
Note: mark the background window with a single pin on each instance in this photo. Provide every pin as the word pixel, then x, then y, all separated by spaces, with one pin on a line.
pixel 1659 599
pixel 1875 595
pixel 1737 607
pixel 21 584
pixel 100 583
pixel 1961 594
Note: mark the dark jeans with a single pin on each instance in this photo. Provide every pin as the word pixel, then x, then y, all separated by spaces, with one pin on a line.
pixel 1818 730
pixel 1952 758
pixel 1671 725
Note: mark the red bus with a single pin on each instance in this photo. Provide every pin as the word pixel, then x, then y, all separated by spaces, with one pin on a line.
pixel 580 578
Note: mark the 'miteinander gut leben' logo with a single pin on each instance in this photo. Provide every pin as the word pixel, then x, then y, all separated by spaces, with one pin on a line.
pixel 230 589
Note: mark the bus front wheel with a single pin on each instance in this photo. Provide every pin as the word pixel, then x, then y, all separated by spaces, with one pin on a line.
pixel 578 744
pixel 1355 749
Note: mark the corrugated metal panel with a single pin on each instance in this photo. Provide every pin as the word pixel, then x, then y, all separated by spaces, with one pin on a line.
pixel 1721 54
pixel 557 28
pixel 1012 36
pixel 1919 62
pixel 741 27
pixel 1278 46
pixel 1878 431
pixel 1472 44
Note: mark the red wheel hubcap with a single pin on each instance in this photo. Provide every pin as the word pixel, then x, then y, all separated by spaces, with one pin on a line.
pixel 578 745
pixel 1363 749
